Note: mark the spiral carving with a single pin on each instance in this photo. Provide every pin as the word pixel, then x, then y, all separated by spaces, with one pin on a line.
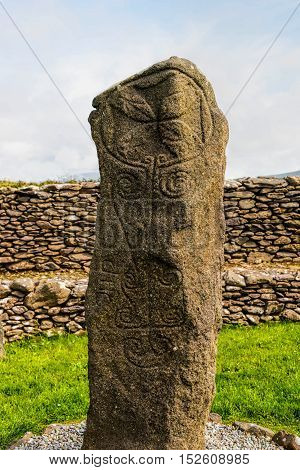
pixel 148 350
pixel 129 185
pixel 176 183
pixel 170 277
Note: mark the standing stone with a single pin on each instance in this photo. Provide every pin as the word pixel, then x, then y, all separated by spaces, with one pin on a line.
pixel 154 296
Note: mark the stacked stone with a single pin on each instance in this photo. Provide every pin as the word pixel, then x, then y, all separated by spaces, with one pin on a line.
pixel 53 227
pixel 28 307
pixel 251 297
pixel 47 228
pixel 262 220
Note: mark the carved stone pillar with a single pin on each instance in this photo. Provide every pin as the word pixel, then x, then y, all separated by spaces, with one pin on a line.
pixel 154 297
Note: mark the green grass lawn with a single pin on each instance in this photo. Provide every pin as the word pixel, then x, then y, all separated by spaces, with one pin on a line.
pixel 44 380
pixel 258 375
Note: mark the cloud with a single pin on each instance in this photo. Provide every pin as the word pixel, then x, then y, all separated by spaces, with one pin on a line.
pixel 88 48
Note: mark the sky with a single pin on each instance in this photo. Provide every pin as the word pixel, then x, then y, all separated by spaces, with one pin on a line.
pixel 86 46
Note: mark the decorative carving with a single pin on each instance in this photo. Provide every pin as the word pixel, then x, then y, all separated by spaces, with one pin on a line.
pixel 179 139
pixel 140 286
pixel 129 185
pixel 176 182
pixel 109 267
pixel 106 291
pixel 160 139
pixel 133 105
pixel 142 350
pixel 175 105
pixel 129 317
pixel 172 117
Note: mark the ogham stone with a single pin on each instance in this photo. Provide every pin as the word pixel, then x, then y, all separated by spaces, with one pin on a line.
pixel 153 304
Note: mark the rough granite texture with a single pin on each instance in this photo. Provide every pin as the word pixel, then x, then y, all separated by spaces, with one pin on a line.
pixel 153 308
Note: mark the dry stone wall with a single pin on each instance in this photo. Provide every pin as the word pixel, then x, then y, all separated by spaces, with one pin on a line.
pixel 262 220
pixel 47 228
pixel 28 306
pixel 251 297
pixel 52 227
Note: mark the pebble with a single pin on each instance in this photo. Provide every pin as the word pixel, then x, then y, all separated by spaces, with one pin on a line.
pixel 218 437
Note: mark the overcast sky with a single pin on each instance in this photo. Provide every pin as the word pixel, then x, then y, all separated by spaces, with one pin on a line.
pixel 88 45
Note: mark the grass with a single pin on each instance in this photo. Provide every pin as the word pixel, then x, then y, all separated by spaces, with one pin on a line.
pixel 21 184
pixel 44 380
pixel 258 375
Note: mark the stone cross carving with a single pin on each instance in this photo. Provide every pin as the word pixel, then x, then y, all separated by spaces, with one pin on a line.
pixel 154 297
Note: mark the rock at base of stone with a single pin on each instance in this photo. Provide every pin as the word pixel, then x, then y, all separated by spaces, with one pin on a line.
pixel 286 440
pixel 154 304
pixel 253 428
pixel 215 418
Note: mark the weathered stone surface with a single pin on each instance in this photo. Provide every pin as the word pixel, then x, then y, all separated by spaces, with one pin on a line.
pixel 256 277
pixel 79 290
pixel 253 319
pixel 23 440
pixel 153 307
pixel 46 325
pixel 232 184
pixel 259 257
pixel 215 418
pixel 48 293
pixel 287 441
pixel 4 290
pixel 25 285
pixel 282 241
pixel 21 266
pixel 246 203
pixel 234 279
pixel 6 259
pixel 289 314
pixel 260 181
pixel 253 428
pixel 293 180
pixel 254 310
pixel 61 319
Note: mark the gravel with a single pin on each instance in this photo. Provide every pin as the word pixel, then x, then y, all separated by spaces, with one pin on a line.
pixel 222 437
pixel 218 437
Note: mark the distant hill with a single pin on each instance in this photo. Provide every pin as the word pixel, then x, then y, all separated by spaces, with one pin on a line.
pixel 88 175
pixel 93 175
pixel 291 173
